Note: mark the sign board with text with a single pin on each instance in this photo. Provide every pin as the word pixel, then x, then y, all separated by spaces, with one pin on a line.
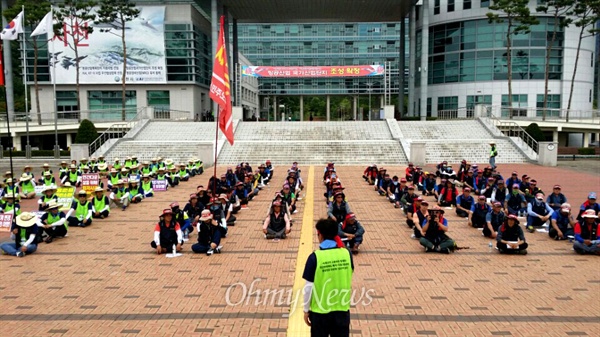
pixel 159 185
pixel 5 222
pixel 65 197
pixel 89 182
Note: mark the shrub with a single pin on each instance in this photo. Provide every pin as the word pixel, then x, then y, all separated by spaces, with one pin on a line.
pixel 535 132
pixel 86 133
pixel 586 151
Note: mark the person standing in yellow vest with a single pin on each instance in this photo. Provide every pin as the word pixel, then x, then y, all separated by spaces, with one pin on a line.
pixel 493 154
pixel 327 293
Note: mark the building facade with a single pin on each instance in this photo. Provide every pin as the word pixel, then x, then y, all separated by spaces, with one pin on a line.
pixel 466 64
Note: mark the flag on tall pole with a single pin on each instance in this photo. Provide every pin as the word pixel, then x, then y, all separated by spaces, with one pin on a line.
pixel 44 27
pixel 220 91
pixel 13 29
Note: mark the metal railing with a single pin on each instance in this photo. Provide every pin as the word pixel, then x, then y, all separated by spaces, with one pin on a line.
pixel 117 130
pixel 169 114
pixel 460 113
pixel 552 115
pixel 19 119
pixel 512 129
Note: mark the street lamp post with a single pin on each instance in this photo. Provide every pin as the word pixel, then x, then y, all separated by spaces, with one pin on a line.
pixel 370 84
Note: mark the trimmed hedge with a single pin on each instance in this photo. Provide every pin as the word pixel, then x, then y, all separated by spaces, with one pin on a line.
pixel 586 151
pixel 86 133
pixel 36 153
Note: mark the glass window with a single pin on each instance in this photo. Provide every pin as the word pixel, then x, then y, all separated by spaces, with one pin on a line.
pixel 66 101
pixel 159 99
pixel 428 106
pixel 450 6
pixel 552 105
pixel 107 105
pixel 485 3
pixel 519 106
pixel 447 103
pixel 466 4
pixel 436 7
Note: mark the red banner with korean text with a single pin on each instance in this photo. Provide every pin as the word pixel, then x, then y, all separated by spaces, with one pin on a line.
pixel 325 71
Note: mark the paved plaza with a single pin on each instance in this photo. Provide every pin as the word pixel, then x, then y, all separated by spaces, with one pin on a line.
pixel 106 280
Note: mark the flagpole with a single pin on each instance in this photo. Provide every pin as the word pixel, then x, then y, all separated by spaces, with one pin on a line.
pixel 216 151
pixel 56 147
pixel 10 140
pixel 28 146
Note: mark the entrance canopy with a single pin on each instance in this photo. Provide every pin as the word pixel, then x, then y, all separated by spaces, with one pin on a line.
pixel 294 11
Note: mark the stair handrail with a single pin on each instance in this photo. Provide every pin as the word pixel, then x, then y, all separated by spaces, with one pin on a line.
pixel 513 129
pixel 116 130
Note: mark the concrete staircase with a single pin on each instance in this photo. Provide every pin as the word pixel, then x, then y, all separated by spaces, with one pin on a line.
pixel 345 143
pixel 454 140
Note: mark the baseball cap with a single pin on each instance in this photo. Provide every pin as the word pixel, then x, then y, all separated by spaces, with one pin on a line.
pixel 515 185
pixel 539 196
pixel 565 207
pixel 556 187
pixel 592 195
pixel 467 189
pixel 481 197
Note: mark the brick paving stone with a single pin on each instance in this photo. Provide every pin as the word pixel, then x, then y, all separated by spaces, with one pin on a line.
pixel 100 282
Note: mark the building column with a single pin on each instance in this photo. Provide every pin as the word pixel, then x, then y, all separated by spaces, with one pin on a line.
pixel 214 39
pixel 16 143
pixel 328 107
pixel 586 139
pixel 424 58
pixel 381 102
pixel 237 84
pixel 354 107
pixel 301 108
pixel 275 108
pixel 401 62
pixel 555 136
pixel 411 59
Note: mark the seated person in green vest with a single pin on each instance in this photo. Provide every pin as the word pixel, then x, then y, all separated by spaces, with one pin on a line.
pixel 102 168
pixel 587 234
pixel 167 234
pixel 85 170
pixel 327 291
pixel 172 176
pixel 117 164
pixel 169 164
pixel 191 169
pixel 510 238
pixel 83 163
pixel 93 165
pixel 100 204
pixel 162 175
pixel 434 230
pixel 161 163
pixel 146 186
pixel 134 161
pixel 45 168
pixel 101 161
pixel 73 176
pixel 135 191
pixel 113 178
pixel 134 172
pixel 128 163
pixel 353 231
pixel 154 166
pixel 277 223
pixel 27 171
pixel 146 169
pixel 11 188
pixel 48 179
pixel 209 234
pixel 25 231
pixel 120 195
pixel 54 222
pixel 64 168
pixel 199 166
pixel 7 175
pixel 27 188
pixel 183 173
pixel 10 205
pixel 80 214
pixel 48 195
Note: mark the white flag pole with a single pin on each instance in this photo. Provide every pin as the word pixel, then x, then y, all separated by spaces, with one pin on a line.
pixel 24 43
pixel 53 64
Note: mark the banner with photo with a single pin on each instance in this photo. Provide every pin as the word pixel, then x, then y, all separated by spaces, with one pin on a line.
pixel 325 71
pixel 100 53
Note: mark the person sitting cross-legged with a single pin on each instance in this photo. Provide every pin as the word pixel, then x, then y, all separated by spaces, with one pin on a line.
pixel 434 230
pixel 24 230
pixel 538 212
pixel 562 223
pixel 120 195
pixel 54 222
pixel 510 238
pixel 48 194
pixel 339 208
pixel 353 231
pixel 100 204
pixel 464 202
pixel 587 234
pixel 277 223
pixel 478 213
pixel 447 195
pixel 167 234
pixel 494 220
pixel 80 214
pixel 27 187
pixel 209 235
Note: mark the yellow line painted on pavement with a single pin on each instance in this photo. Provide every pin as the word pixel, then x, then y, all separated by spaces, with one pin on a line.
pixel 296 325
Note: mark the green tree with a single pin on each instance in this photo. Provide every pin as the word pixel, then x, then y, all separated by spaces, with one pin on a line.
pixel 587 13
pixel 118 13
pixel 560 11
pixel 86 133
pixel 535 132
pixel 73 18
pixel 518 19
pixel 34 13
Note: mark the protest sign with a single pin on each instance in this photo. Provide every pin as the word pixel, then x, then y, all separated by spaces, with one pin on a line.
pixel 159 185
pixel 89 182
pixel 5 222
pixel 65 197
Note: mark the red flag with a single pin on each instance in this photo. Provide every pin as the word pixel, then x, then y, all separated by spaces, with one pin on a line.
pixel 220 91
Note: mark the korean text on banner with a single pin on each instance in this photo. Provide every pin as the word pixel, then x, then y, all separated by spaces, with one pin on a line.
pixel 324 71
pixel 159 185
pixel 65 197
pixel 5 222
pixel 89 182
